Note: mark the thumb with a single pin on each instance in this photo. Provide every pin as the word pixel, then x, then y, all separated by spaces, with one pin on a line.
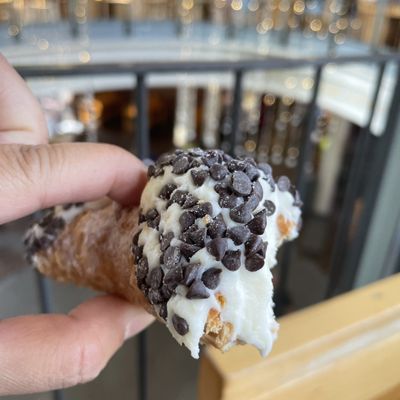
pixel 36 177
pixel 45 352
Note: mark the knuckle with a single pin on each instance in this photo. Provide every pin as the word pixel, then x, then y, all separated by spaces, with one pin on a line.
pixel 89 360
pixel 29 167
pixel 32 162
pixel 26 162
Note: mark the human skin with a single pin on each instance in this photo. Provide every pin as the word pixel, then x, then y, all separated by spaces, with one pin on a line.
pixel 45 352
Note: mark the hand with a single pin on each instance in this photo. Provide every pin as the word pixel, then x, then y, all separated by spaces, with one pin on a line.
pixel 44 352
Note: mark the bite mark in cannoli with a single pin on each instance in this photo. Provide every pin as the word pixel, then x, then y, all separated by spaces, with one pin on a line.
pixel 211 225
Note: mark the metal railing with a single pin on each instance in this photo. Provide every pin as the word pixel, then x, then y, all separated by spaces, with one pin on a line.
pixel 344 262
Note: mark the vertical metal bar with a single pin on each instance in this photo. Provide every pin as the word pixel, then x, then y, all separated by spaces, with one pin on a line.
pixel 142 366
pixel 307 146
pixel 378 24
pixel 45 307
pixel 352 190
pixel 236 110
pixel 142 126
pixel 143 151
pixel 73 23
pixel 304 158
pixel 44 293
pixel 16 19
pixel 381 147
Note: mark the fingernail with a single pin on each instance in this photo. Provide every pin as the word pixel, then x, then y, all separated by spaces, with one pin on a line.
pixel 137 322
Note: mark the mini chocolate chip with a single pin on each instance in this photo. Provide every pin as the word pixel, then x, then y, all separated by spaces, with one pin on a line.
pixel 173 277
pixel 283 184
pixel 252 172
pixel 262 251
pixel 190 273
pixel 186 219
pixel 218 171
pixel 210 158
pixel 231 260
pixel 258 190
pixel 239 234
pixel 196 152
pixel 155 277
pixel 172 256
pixel 195 163
pixel 241 184
pixel 155 297
pixel 227 200
pixel 179 197
pixel 180 165
pixel 52 224
pixel 40 243
pixel 166 191
pixel 190 201
pixel 137 252
pixel 217 227
pixel 142 218
pixel 211 278
pixel 227 157
pixel 57 223
pixel 236 165
pixel 220 188
pixel 166 159
pixel 258 224
pixel 202 209
pixel 252 202
pixel 151 214
pixel 163 312
pixel 254 262
pixel 135 239
pixel 166 240
pixel 198 237
pixel 266 168
pixel 217 248
pixel 154 223
pixel 166 292
pixel 270 207
pixel 142 269
pixel 197 290
pixel 199 176
pixel 188 250
pixel 150 171
pixel 184 236
pixel 158 171
pixel 241 214
pixel 143 287
pixel 253 245
pixel 180 324
pixel 249 160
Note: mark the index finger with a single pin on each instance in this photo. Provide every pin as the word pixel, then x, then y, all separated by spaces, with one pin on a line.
pixel 36 177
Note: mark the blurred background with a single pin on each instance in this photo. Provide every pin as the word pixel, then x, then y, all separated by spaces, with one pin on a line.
pixel 310 86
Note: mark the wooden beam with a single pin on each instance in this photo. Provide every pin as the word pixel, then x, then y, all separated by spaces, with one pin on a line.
pixel 345 348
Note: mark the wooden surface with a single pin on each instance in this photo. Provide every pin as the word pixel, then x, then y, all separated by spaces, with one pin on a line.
pixel 344 348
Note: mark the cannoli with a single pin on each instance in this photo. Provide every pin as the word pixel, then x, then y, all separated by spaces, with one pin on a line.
pixel 196 253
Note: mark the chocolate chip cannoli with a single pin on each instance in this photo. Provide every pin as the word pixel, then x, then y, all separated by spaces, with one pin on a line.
pixel 197 253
